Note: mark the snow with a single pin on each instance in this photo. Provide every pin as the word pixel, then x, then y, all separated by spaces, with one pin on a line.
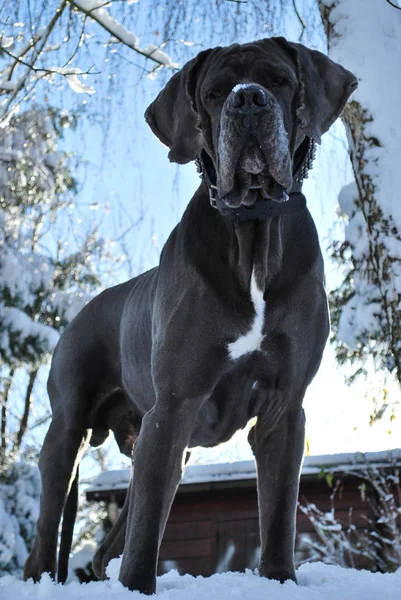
pixel 377 61
pixel 68 304
pixel 71 75
pixel 117 479
pixel 19 508
pixel 361 314
pixel 8 86
pixel 29 334
pixel 23 275
pixel 315 582
pixel 242 470
pixel 80 560
pixel 121 33
pixel 241 86
pixel 154 52
pixel 32 184
pixel 6 42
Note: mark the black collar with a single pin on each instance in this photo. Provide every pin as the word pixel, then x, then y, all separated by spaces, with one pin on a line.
pixel 263 208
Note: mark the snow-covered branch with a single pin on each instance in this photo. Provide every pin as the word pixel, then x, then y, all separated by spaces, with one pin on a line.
pixel 39 45
pixel 28 47
pixel 94 9
pixel 70 73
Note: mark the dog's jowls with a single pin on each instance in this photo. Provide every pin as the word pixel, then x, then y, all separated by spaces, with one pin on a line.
pixel 230 326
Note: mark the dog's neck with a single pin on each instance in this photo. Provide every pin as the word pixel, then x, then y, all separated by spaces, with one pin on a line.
pixel 259 252
pixel 241 245
pixel 228 252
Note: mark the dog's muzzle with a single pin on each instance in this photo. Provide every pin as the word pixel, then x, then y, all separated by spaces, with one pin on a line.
pixel 253 148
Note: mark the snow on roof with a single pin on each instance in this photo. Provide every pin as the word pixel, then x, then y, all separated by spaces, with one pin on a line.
pixel 245 470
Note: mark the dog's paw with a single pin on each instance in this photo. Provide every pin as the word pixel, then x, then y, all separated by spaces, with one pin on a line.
pixel 278 572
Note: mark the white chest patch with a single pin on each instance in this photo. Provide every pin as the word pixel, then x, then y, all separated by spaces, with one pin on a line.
pixel 252 340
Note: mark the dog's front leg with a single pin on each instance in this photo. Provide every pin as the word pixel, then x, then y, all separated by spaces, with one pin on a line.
pixel 278 453
pixel 159 459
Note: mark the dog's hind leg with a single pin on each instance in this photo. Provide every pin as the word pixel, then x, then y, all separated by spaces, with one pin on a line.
pixel 113 544
pixel 62 450
pixel 67 530
pixel 120 416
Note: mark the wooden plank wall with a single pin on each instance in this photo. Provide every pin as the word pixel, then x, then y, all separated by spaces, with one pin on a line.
pixel 218 530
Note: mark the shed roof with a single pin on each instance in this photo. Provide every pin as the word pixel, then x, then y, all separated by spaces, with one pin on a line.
pixel 110 481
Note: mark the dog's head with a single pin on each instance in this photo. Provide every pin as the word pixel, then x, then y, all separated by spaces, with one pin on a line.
pixel 250 107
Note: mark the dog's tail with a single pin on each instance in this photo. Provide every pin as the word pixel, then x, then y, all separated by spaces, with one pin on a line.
pixel 67 530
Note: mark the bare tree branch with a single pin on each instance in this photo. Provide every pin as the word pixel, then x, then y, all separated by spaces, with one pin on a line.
pixel 393 5
pixel 32 41
pixel 38 50
pixel 118 31
pixel 300 19
pixel 81 37
pixel 46 71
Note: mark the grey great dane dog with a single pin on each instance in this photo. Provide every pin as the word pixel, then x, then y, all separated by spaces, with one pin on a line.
pixel 230 326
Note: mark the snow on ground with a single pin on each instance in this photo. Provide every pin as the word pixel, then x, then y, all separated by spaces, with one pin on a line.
pixel 316 581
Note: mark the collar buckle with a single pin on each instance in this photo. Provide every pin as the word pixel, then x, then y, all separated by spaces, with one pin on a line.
pixel 213 195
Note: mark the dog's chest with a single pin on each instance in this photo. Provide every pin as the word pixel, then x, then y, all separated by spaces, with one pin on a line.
pixel 252 339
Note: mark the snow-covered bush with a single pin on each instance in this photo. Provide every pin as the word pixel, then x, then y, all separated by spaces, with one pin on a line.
pixel 42 285
pixel 378 545
pixel 19 510
pixel 49 267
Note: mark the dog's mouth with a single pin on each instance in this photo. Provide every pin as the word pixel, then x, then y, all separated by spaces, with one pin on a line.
pixel 254 176
pixel 253 179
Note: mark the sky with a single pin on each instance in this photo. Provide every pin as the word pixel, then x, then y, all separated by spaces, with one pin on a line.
pixel 127 174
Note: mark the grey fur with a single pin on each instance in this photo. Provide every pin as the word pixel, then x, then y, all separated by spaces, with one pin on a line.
pixel 149 359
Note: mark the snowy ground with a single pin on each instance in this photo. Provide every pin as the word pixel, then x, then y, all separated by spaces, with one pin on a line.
pixel 316 582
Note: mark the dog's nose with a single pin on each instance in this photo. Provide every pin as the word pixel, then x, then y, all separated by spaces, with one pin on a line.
pixel 249 96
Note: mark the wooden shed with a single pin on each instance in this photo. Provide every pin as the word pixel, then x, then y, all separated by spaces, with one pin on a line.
pixel 213 525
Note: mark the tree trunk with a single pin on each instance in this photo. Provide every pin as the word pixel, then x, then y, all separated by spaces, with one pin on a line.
pixel 4 410
pixel 366 39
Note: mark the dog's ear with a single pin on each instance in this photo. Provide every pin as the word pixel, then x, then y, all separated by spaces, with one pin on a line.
pixel 325 87
pixel 173 117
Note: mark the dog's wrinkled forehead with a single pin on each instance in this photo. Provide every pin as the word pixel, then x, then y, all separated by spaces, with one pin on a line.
pixel 265 64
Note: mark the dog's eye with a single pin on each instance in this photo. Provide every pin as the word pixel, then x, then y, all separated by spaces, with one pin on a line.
pixel 279 81
pixel 214 95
